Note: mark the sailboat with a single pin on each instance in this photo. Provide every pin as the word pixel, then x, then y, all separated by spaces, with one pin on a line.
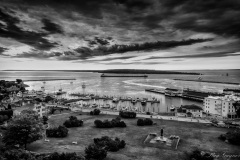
pixel 60 91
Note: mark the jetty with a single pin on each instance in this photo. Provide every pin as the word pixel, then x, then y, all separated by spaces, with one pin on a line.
pixel 207 81
pixel 155 91
pixel 104 75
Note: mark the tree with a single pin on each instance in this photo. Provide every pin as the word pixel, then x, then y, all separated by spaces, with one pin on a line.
pixel 73 122
pixel 18 81
pixel 96 152
pixel 60 131
pixel 45 119
pixel 237 108
pixel 23 129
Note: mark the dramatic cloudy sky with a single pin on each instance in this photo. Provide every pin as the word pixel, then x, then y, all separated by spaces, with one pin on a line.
pixel 103 34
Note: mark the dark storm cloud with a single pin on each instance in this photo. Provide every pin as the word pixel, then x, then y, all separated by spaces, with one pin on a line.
pixel 2 49
pixel 11 30
pixel 90 8
pixel 83 53
pixel 135 4
pixel 204 55
pixel 205 16
pixel 51 27
pixel 37 55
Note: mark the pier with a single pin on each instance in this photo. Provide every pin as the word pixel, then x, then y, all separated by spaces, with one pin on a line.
pixel 207 81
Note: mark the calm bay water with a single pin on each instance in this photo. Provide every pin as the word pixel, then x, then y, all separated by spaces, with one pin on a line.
pixel 128 86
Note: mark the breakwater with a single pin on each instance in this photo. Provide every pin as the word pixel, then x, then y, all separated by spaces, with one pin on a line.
pixel 124 75
pixel 207 81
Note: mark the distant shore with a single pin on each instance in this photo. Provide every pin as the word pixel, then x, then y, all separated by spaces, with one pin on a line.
pixel 49 79
pixel 120 71
pixel 207 81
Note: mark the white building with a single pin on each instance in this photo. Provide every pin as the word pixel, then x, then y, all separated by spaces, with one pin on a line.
pixel 190 111
pixel 41 109
pixel 222 106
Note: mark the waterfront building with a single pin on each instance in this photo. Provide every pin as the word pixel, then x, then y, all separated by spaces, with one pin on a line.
pixel 221 105
pixel 190 111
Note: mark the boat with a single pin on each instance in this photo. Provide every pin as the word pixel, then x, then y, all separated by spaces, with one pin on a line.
pixel 86 98
pixel 129 98
pixel 107 106
pixel 143 102
pixel 115 100
pixel 134 101
pixel 172 109
pixel 60 92
pixel 94 105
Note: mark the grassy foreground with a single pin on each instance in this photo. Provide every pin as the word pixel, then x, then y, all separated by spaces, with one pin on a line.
pixel 193 135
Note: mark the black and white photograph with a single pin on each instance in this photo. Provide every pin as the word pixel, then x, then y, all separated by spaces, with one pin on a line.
pixel 119 79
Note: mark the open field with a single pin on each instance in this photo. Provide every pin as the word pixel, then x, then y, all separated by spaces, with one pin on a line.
pixel 193 135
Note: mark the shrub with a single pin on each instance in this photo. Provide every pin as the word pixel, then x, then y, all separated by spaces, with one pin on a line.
pixel 59 131
pixel 232 137
pixel 3 118
pixel 73 122
pixel 62 156
pixel 110 144
pixel 96 152
pixel 140 122
pixel 109 124
pixel 148 122
pixel 95 112
pixel 9 113
pixel 17 154
pixel 20 154
pixel 198 155
pixel 127 114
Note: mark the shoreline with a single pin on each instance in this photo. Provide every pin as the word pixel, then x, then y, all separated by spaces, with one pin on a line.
pixel 207 81
pixel 49 79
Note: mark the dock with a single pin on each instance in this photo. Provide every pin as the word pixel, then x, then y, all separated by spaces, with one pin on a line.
pixel 200 99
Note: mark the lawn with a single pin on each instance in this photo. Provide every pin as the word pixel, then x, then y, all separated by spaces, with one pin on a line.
pixel 193 135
